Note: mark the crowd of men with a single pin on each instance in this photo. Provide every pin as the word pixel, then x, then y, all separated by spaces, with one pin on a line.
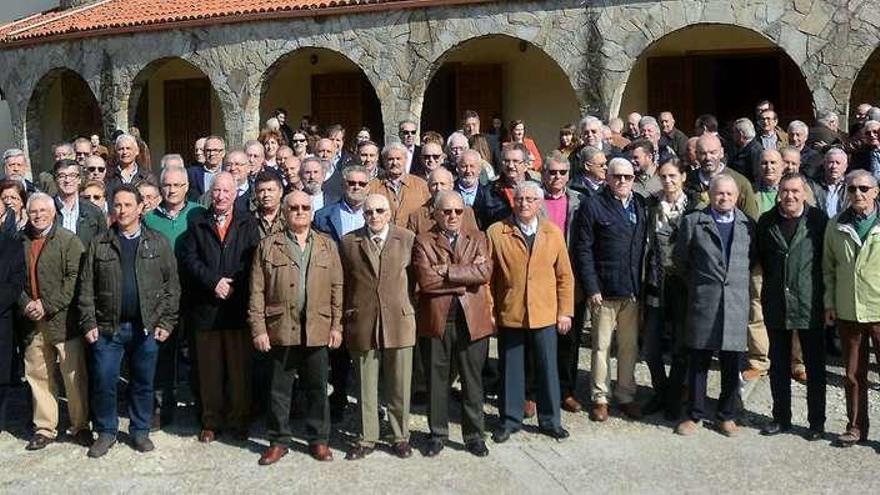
pixel 286 268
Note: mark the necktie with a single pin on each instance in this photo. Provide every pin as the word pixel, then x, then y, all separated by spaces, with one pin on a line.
pixel 378 242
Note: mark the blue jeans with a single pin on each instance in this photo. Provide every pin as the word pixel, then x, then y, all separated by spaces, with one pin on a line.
pixel 512 342
pixel 107 352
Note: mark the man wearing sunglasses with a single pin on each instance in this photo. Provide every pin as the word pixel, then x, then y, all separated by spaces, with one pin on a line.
pixel 95 168
pixel 409 135
pixel 851 268
pixel 424 219
pixel 431 158
pixel 379 321
pixel 201 177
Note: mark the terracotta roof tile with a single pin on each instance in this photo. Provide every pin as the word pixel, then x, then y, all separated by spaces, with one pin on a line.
pixel 107 16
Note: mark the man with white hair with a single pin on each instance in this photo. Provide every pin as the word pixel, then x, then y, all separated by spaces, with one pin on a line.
pixel 826 132
pixel 456 145
pixel 632 126
pixel 830 190
pixel 405 192
pixel 17 167
pixel 199 151
pixel 609 244
pixel 868 155
pixel 746 153
pixel 811 160
pixel 650 130
pixel 127 170
pixel 714 252
pixel 201 176
pixel 677 139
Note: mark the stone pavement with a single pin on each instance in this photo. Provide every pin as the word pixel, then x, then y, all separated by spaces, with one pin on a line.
pixel 619 456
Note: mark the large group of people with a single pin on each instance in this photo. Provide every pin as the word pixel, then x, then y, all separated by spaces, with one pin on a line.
pixel 326 268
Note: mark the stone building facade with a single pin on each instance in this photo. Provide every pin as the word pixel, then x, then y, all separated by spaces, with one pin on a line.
pixel 594 43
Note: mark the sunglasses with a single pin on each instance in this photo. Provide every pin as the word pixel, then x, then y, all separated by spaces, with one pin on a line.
pixel 92 197
pixel 375 211
pixel 298 140
pixel 299 208
pixel 863 189
pixel 432 157
pixel 96 169
pixel 408 133
pixel 352 183
pixel 449 211
pixel 563 173
pixel 624 177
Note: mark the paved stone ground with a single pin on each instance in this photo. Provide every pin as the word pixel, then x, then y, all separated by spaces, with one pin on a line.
pixel 619 456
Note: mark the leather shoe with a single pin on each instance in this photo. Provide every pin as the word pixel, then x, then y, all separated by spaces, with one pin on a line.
pixel 101 446
pixel 570 404
pixel 599 412
pixel 728 428
pixel 557 433
pixel 320 452
pixel 501 435
pixel 83 438
pixel 435 445
pixel 847 439
pixel 631 410
pixel 752 374
pixel 530 409
pixel 814 435
pixel 402 449
pixel 272 455
pixel 357 452
pixel 774 428
pixel 655 405
pixel 241 435
pixel 687 428
pixel 38 442
pixel 477 448
pixel 800 376
pixel 142 443
pixel 207 436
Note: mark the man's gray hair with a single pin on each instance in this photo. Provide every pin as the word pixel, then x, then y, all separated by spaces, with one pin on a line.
pixel 444 195
pixel 556 156
pixel 528 185
pixel 67 147
pixel 469 152
pixel 441 171
pixel 353 169
pixel 456 135
pixel 40 196
pixel 378 197
pixel 646 121
pixel 588 121
pixel 859 173
pixel 587 153
pixel 837 151
pixel 325 165
pixel 872 123
pixel 12 153
pixel 393 146
pixel 873 113
pixel 797 124
pixel 170 158
pixel 619 161
pixel 166 168
pixel 745 127
pixel 826 117
pixel 125 137
pixel 407 121
pixel 715 181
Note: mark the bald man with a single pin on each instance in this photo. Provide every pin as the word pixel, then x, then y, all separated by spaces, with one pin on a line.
pixel 423 219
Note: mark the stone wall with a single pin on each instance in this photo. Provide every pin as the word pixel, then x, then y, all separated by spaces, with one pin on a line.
pixel 595 43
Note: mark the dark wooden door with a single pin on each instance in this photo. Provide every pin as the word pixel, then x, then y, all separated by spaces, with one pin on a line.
pixel 336 99
pixel 187 114
pixel 671 89
pixel 479 88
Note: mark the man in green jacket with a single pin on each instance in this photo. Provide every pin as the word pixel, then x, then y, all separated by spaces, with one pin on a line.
pixel 47 324
pixel 851 268
pixel 790 238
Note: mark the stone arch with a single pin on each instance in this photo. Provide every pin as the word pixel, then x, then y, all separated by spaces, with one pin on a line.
pixel 325 84
pixel 725 74
pixel 866 87
pixel 528 84
pixel 61 107
pixel 173 102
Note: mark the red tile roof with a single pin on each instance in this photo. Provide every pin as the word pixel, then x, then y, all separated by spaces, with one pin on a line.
pixel 104 17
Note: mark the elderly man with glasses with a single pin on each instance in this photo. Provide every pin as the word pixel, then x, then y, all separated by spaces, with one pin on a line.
pixel 201 177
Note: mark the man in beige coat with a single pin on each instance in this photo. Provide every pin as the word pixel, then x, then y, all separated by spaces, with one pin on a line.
pixel 294 315
pixel 379 321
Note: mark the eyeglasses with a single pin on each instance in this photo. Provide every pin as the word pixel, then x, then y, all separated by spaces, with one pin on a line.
pixel 96 169
pixel 169 185
pixel 449 211
pixel 408 133
pixel 352 183
pixel 209 151
pixel 92 197
pixel 623 177
pixel 431 157
pixel 299 208
pixel 526 199
pixel 863 189
pixel 375 211
pixel 508 161
pixel 298 140
pixel 82 153
pixel 67 176
pixel 563 173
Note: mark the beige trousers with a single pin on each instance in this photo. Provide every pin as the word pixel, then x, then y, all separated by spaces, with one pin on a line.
pixel 759 342
pixel 396 369
pixel 40 359
pixel 622 315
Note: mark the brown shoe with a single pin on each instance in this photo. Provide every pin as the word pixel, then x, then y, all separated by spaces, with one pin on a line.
pixel 599 412
pixel 530 409
pixel 84 438
pixel 206 436
pixel 687 428
pixel 272 455
pixel 752 374
pixel 38 442
pixel 321 452
pixel 800 376
pixel 728 428
pixel 358 452
pixel 570 404
pixel 631 410
pixel 402 449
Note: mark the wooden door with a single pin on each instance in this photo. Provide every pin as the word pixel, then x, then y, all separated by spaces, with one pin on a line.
pixel 80 115
pixel 671 89
pixel 336 99
pixel 479 88
pixel 187 115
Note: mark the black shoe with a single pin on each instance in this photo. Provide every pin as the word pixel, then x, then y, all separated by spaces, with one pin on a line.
pixel 84 438
pixel 814 435
pixel 38 442
pixel 142 443
pixel 774 428
pixel 477 448
pixel 435 445
pixel 558 433
pixel 655 405
pixel 501 435
pixel 102 445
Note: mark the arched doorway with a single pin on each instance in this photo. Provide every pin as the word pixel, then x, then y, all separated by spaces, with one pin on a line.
pixel 62 107
pixel 866 88
pixel 324 86
pixel 5 122
pixel 501 76
pixel 173 104
pixel 719 69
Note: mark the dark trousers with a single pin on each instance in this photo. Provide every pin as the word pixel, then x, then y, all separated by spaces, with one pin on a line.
pixel 311 364
pixel 667 388
pixel 568 350
pixel 512 342
pixel 854 339
pixel 438 355
pixel 224 371
pixel 698 373
pixel 165 381
pixel 340 371
pixel 813 350
pixel 4 405
pixel 142 351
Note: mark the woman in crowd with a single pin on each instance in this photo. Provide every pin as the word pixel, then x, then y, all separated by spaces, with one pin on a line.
pixel 518 135
pixel 433 137
pixel 568 140
pixel 95 193
pixel 271 141
pixel 14 197
pixel 299 143
pixel 480 144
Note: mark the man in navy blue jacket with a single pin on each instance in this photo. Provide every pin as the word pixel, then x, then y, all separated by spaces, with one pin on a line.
pixel 608 249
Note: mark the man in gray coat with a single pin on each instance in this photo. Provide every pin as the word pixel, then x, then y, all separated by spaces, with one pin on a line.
pixel 714 252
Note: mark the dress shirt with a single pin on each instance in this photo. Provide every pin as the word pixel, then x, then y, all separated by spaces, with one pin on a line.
pixel 351 218
pixel 70 216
